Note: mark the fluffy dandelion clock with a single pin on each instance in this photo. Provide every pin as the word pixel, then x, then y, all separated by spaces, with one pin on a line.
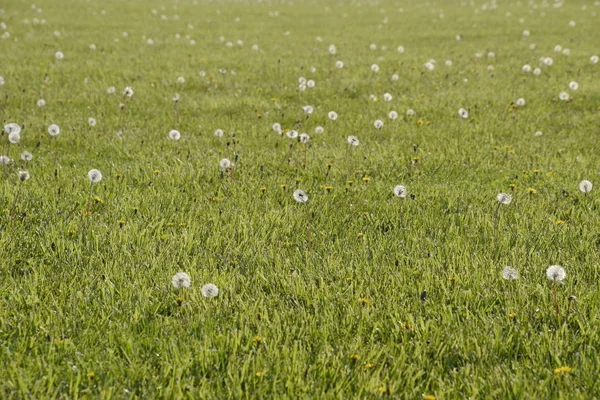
pixel 353 141
pixel 556 273
pixel 594 59
pixel 174 134
pixel 400 191
pixel 4 160
pixel 181 79
pixel 26 156
pixel 23 176
pixel 448 63
pixel 463 113
pixel 92 121
pixel 181 280
pixel 304 138
pixel 395 77
pixel 111 90
pixel 95 176
pixel 393 115
pixel 430 66
pixel 537 71
pixel 526 68
pixel 308 109
pixel 520 102
pixel 59 55
pixel 548 61
pixel 387 97
pixel 573 85
pixel 510 273
pixel 300 196
pixel 128 91
pixel 557 48
pixel 12 128
pixel 375 68
pixel 1 81
pixel 319 130
pixel 53 130
pixel 210 290
pixel 41 103
pixel 400 49
pixel 378 124
pixel 332 49
pixel 277 128
pixel 310 83
pixel 339 64
pixel 14 137
pixel 225 163
pixel 292 134
pixel 504 198
pixel 564 96
pixel 332 115
pixel 585 186
pixel 219 133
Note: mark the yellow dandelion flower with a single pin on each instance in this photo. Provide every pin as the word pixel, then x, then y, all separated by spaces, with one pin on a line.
pixel 353 356
pixel 366 179
pixel 350 183
pixel 121 222
pixel 428 397
pixel 257 340
pixel 536 171
pixel 259 374
pixel 263 189
pixel 283 186
pixel 559 222
pixel 563 370
pixel 91 375
pixel 512 186
pixel 329 165
pixel 98 200
pixel 156 171
pixel 531 191
pixel 512 315
pixel 364 301
pixel 420 122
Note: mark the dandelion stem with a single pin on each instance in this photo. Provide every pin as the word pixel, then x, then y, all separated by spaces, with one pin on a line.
pixel 555 298
pixel 14 203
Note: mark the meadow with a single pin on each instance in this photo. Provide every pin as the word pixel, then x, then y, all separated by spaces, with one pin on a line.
pixel 446 153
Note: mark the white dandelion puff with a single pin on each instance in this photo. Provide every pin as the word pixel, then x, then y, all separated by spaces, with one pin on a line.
pixel 353 141
pixel 53 130
pixel 210 290
pixel 41 103
pixel 304 138
pixel 400 49
pixel 339 64
pixel 520 102
pixel 111 90
pixel 14 137
pixel 12 128
pixel 332 115
pixel 375 68
pixel 128 91
pixel 378 124
pixel 393 115
pixel 400 191
pixel 26 156
pixel 585 186
pixel 387 97
pixel 94 176
pixel 556 273
pixel 319 130
pixel 181 79
pixel 463 113
pixel 410 112
pixel 59 55
pixel 225 164
pixel 564 96
pixel 537 71
pixel 23 176
pixel 308 109
pixel 91 121
pixel 293 134
pixel 594 59
pixel 573 85
pixel 219 133
pixel 510 273
pixel 174 134
pixel 526 68
pixel 181 280
pixel 300 196
pixel 4 160
pixel 504 198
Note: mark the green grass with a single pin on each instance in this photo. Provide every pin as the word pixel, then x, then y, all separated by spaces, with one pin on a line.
pixel 87 308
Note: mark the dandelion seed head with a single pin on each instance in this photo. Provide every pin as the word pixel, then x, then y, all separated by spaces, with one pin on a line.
pixel 53 130
pixel 59 55
pixel 225 163
pixel 319 130
pixel 556 273
pixel 353 141
pixel 41 103
pixel 308 109
pixel 520 102
pixel 181 280
pixel 174 134
pixel 210 290
pixel 378 124
pixel 14 137
pixel 332 115
pixel 92 121
pixel 573 85
pixel 564 96
pixel 23 176
pixel 463 113
pixel 400 191
pixel 111 90
pixel 393 115
pixel 594 59
pixel 12 128
pixel 94 176
pixel 26 156
pixel 219 133
pixel 375 68
pixel 300 196
pixel 293 134
pixel 410 112
pixel 585 186
pixel 128 91
pixel 504 198
pixel 526 68
pixel 339 64
pixel 4 160
pixel 510 273
pixel 304 138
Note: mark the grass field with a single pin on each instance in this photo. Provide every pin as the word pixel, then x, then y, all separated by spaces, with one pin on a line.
pixel 356 293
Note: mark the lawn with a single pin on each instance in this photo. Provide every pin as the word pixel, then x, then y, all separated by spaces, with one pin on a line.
pixel 203 119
